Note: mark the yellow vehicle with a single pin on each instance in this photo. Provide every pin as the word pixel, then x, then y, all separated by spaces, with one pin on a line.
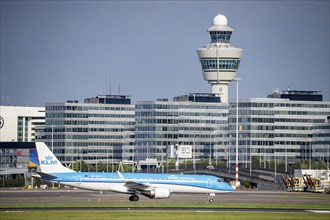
pixel 313 184
pixel 298 184
pixel 318 187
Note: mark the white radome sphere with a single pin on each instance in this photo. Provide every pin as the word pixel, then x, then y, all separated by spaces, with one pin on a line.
pixel 220 20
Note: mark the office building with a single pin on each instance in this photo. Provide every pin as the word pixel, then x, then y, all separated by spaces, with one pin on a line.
pixel 100 129
pixel 321 142
pixel 18 123
pixel 14 156
pixel 279 128
pixel 195 119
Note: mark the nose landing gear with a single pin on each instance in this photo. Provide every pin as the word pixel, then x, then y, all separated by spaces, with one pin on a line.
pixel 211 195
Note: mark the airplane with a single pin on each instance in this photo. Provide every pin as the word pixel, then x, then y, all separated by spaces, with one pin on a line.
pixel 153 186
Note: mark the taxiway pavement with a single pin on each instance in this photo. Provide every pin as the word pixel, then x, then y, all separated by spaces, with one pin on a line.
pixel 77 196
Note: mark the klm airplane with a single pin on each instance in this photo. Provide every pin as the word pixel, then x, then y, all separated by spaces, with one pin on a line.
pixel 153 186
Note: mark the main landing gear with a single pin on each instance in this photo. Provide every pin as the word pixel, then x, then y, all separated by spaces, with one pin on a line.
pixel 211 195
pixel 133 198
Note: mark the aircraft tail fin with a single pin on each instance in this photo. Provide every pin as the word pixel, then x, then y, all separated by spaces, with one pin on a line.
pixel 48 161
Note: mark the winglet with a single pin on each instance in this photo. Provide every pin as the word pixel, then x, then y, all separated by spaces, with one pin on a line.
pixel 121 175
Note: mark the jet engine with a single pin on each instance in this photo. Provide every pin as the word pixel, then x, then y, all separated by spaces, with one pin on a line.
pixel 157 193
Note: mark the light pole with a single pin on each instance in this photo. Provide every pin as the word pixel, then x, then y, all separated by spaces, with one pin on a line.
pixel 328 156
pixel 236 177
pixel 250 161
pixel 133 159
pixel 52 138
pixel 107 160
pixel 194 163
pixel 260 156
pixel 210 158
pixel 227 147
pixel 217 48
pixel 275 162
pixel 246 156
pixel 147 157
pixel 264 146
pixel 310 155
pixel 229 152
pixel 163 159
pixel 112 159
pixel 80 161
pixel 286 159
pixel 177 157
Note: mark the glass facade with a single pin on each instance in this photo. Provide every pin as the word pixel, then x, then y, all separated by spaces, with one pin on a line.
pixel 26 127
pixel 163 123
pixel 321 141
pixel 268 129
pixel 211 64
pixel 90 131
pixel 220 36
pixel 280 128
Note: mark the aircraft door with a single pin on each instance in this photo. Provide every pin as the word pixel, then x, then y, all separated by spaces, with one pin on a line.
pixel 78 180
pixel 209 183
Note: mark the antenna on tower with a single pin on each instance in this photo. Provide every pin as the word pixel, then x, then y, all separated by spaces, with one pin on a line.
pixel 110 82
pixel 119 84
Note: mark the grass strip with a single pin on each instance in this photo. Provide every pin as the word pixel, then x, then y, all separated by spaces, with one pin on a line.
pixel 171 205
pixel 82 215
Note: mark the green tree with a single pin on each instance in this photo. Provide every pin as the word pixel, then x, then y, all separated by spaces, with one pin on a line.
pixel 246 184
pixel 204 162
pixel 126 168
pixel 170 163
pixel 255 161
pixel 221 163
pixel 84 166
pixel 101 166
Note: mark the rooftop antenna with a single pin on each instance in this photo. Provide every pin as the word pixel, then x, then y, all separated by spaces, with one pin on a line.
pixel 119 84
pixel 277 90
pixel 110 75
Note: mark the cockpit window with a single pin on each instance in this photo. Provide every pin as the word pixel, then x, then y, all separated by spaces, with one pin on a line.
pixel 220 180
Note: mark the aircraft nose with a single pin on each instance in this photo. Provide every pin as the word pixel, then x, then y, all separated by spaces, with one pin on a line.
pixel 229 187
pixel 225 187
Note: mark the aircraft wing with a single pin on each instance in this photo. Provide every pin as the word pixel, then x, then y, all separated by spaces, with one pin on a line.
pixel 133 186
pixel 136 186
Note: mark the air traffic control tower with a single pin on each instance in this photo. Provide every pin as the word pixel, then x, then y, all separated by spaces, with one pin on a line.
pixel 219 59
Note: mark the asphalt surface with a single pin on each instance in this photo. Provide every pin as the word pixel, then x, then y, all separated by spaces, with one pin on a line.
pixel 72 196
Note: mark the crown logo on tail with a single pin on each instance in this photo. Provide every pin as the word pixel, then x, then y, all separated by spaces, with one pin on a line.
pixel 49 157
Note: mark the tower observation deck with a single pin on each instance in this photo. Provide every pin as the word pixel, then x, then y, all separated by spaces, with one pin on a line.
pixel 219 59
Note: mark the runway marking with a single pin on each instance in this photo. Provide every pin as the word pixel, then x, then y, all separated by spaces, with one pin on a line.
pixel 158 209
pixel 319 211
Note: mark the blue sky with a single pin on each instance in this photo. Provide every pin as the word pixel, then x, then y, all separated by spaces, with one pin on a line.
pixel 59 50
